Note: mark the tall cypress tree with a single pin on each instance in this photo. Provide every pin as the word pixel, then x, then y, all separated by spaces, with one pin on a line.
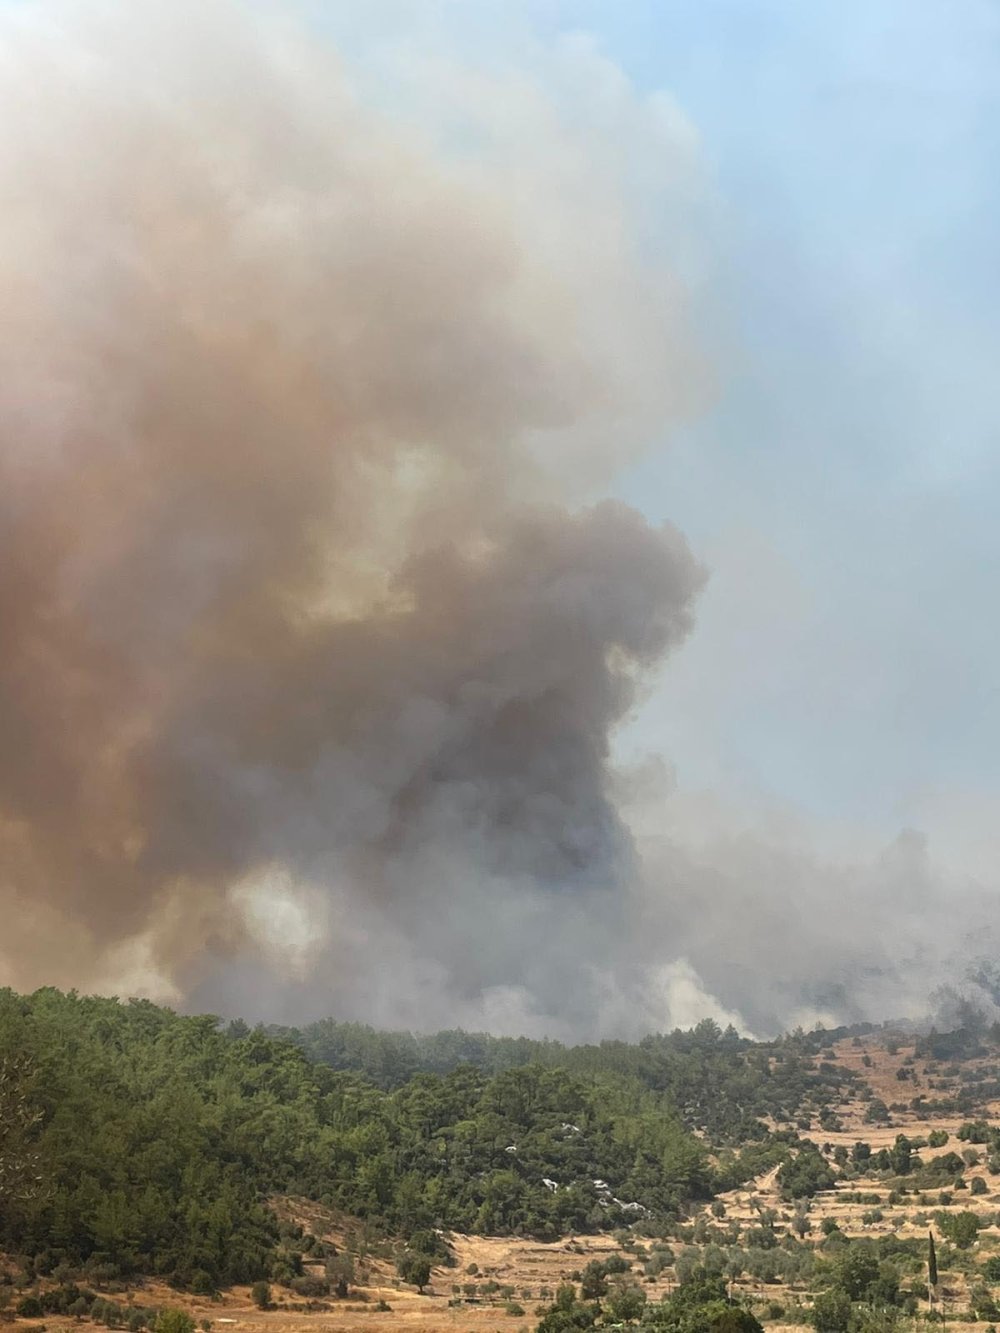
pixel 932 1275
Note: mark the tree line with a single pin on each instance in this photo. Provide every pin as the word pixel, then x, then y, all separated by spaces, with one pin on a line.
pixel 154 1142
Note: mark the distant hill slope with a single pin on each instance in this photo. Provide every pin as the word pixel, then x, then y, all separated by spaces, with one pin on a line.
pixel 136 1140
pixel 719 1082
pixel 159 1138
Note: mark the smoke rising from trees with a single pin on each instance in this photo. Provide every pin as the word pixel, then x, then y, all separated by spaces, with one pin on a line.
pixel 316 626
pixel 313 636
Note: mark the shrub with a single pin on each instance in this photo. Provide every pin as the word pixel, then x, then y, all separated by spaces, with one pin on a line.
pixel 960 1228
pixel 415 1269
pixel 310 1286
pixel 174 1321
pixel 340 1273
pixel 974 1131
pixel 831 1312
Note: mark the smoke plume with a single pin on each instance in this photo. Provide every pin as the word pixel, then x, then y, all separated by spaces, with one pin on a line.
pixel 315 630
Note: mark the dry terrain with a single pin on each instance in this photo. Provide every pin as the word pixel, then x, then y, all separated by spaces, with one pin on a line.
pixel 527 1272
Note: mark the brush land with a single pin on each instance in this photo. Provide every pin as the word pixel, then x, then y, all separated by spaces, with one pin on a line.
pixel 165 1172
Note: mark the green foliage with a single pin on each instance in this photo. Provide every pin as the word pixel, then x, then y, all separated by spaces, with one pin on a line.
pixel 174 1321
pixel 260 1294
pixel 701 1305
pixel 960 1228
pixel 567 1312
pixel 19 1165
pixel 856 1271
pixel 340 1273
pixel 310 1286
pixel 983 1303
pixel 831 1311
pixel 805 1173
pixel 414 1268
pixel 434 1245
pixel 593 1281
pixel 975 1131
pixel 161 1138
pixel 720 1082
pixel 626 1301
pixel 864 1288
pixel 901 1155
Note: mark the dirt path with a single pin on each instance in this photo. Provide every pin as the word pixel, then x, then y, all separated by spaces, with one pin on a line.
pixel 768 1182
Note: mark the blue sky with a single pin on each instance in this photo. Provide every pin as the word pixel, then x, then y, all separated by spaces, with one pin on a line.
pixel 853 443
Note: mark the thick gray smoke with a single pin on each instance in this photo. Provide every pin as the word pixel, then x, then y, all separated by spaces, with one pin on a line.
pixel 315 629
pixel 313 638
pixel 786 921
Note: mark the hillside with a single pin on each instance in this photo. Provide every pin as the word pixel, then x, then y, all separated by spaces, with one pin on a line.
pixel 153 1159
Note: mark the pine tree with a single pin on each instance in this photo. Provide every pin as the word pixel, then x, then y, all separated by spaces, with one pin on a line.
pixel 19 1164
pixel 932 1273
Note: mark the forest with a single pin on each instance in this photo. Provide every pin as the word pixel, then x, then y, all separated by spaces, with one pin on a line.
pixel 137 1140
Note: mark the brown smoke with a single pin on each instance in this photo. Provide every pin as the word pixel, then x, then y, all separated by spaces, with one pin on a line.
pixel 303 595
